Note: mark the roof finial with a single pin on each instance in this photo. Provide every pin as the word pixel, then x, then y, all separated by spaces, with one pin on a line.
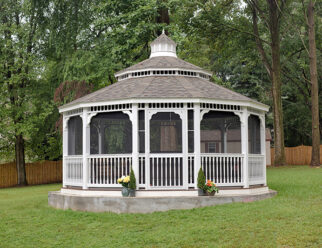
pixel 163 31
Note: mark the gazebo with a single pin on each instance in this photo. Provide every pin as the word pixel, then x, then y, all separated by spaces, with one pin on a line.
pixel 165 119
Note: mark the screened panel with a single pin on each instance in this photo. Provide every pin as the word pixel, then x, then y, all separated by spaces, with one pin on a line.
pixel 190 132
pixel 75 136
pixel 166 133
pixel 111 133
pixel 254 139
pixel 141 131
pixel 220 133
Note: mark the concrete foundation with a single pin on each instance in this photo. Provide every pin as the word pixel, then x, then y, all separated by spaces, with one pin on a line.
pixel 145 204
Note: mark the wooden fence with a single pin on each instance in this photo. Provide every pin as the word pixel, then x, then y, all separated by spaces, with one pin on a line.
pixel 36 173
pixel 299 155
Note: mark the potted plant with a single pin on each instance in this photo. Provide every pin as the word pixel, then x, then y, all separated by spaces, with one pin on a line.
pixel 125 183
pixel 132 184
pixel 201 180
pixel 210 188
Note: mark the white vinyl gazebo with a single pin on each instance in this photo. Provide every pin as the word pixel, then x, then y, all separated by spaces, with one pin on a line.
pixel 165 119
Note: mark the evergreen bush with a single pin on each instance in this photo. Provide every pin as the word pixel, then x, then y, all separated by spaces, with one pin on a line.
pixel 132 184
pixel 201 179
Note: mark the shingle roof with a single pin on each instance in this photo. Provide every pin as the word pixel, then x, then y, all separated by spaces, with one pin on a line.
pixel 161 87
pixel 163 62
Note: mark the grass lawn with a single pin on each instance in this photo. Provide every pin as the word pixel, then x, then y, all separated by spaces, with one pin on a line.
pixel 291 219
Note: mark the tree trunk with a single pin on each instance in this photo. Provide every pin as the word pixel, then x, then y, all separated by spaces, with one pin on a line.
pixel 20 160
pixel 315 88
pixel 276 84
pixel 163 15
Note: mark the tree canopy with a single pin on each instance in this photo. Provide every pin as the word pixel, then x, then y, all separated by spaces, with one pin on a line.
pixel 45 45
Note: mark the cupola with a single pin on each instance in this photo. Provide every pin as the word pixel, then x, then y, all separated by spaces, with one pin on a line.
pixel 163 46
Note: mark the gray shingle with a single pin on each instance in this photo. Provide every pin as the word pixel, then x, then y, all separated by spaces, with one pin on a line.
pixel 163 62
pixel 161 87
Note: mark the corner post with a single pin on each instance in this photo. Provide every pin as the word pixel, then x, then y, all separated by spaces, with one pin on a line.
pixel 147 146
pixel 185 146
pixel 135 142
pixel 244 139
pixel 196 122
pixel 65 146
pixel 85 146
pixel 263 144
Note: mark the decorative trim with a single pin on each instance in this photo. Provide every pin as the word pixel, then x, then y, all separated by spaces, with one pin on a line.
pixel 262 120
pixel 89 118
pixel 203 112
pixel 111 107
pixel 129 113
pixel 223 107
pixel 150 113
pixel 65 122
pixel 77 111
pixel 163 72
pixel 259 106
pixel 239 114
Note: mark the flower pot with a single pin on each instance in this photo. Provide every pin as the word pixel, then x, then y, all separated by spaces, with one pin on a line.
pixel 201 192
pixel 132 192
pixel 125 192
pixel 211 193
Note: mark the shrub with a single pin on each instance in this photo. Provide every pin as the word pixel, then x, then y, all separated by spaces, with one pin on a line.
pixel 201 179
pixel 132 184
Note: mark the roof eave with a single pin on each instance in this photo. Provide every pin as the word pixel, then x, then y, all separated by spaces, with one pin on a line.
pixel 120 73
pixel 67 107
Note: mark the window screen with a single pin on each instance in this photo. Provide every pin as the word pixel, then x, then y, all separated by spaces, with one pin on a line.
pixel 254 141
pixel 75 136
pixel 111 133
pixel 190 132
pixel 220 133
pixel 166 133
pixel 141 132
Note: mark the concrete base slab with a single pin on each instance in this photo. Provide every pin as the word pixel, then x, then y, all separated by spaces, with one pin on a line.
pixel 145 204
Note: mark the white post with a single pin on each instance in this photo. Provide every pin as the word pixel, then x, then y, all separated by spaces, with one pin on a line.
pixel 147 147
pixel 196 123
pixel 244 143
pixel 65 147
pixel 263 144
pixel 185 146
pixel 85 151
pixel 135 142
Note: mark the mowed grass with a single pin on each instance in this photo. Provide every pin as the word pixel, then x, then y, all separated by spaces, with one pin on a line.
pixel 291 219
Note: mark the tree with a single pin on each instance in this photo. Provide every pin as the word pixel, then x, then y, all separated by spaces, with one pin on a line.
pixel 315 88
pixel 21 24
pixel 273 67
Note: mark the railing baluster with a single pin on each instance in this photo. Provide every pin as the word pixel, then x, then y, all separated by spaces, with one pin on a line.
pixel 175 171
pixel 166 171
pixel 162 173
pixel 101 167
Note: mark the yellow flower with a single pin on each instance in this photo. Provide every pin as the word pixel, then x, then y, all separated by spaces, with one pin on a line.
pixel 126 179
pixel 119 180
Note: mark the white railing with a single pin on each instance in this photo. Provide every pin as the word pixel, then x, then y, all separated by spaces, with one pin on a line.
pixel 142 170
pixel 166 171
pixel 73 170
pixel 191 170
pixel 223 169
pixel 256 169
pixel 104 170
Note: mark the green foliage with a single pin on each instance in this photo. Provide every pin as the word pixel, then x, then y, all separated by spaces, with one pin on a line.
pixel 46 43
pixel 218 36
pixel 132 184
pixel 201 179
